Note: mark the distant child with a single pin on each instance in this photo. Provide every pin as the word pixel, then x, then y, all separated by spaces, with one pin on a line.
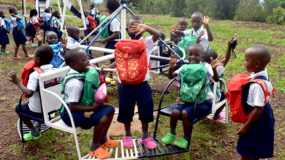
pixel 186 111
pixel 47 19
pixel 58 49
pixel 56 24
pixel 94 13
pixel 86 115
pixel 43 56
pixel 140 93
pixel 256 135
pixel 73 38
pixel 18 35
pixel 35 22
pixel 90 23
pixel 4 40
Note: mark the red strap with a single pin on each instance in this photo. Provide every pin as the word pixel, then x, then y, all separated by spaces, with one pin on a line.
pixel 264 88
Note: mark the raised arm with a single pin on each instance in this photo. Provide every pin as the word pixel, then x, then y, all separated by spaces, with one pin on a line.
pixel 206 21
pixel 214 63
pixel 172 65
pixel 228 52
pixel 139 28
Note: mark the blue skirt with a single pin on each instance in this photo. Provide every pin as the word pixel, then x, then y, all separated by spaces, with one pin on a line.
pixel 4 37
pixel 19 36
pixel 258 141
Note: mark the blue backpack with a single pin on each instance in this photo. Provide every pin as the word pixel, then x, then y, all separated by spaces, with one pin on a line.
pixel 21 22
pixel 8 24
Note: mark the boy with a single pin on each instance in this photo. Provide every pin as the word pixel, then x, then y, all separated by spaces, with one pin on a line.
pixel 186 111
pixel 94 13
pixel 256 135
pixel 99 115
pixel 4 40
pixel 73 37
pixel 43 56
pixel 140 93
pixel 56 24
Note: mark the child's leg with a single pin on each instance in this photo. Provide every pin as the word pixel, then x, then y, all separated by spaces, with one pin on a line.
pixel 175 114
pixel 104 138
pixel 186 124
pixel 98 132
pixel 25 50
pixel 3 48
pixel 128 129
pixel 16 50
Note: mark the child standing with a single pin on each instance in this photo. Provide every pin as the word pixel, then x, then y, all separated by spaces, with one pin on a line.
pixel 56 24
pixel 47 18
pixel 34 22
pixel 18 35
pixel 4 40
pixel 86 116
pixel 43 56
pixel 256 135
pixel 94 13
pixel 186 111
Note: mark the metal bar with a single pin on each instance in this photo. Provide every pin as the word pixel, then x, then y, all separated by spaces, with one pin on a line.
pixel 82 14
pixel 122 149
pixel 135 148
pixel 141 153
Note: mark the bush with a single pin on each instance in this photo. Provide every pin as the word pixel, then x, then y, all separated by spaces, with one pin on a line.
pixel 277 16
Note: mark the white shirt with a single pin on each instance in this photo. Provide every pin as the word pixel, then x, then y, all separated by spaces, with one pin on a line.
pixel 115 25
pixel 73 88
pixel 255 94
pixel 47 16
pixel 34 20
pixel 13 21
pixel 56 23
pixel 2 22
pixel 204 39
pixel 220 70
pixel 33 82
pixel 95 12
pixel 72 43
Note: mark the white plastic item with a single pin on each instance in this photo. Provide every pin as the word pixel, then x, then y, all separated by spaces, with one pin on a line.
pixel 101 94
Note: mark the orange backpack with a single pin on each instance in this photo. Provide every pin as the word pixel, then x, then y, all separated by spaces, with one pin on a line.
pixel 131 61
pixel 237 96
pixel 92 23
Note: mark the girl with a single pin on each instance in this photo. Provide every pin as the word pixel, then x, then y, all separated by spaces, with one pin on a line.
pixel 4 40
pixel 33 27
pixel 56 24
pixel 18 35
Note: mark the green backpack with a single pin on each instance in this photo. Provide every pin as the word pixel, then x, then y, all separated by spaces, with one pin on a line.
pixel 193 83
pixel 91 84
pixel 105 33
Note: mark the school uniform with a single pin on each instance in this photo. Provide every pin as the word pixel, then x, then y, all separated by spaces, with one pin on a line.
pixel 140 93
pixel 47 17
pixel 95 12
pixel 112 28
pixel 32 30
pixel 56 25
pixel 204 39
pixel 33 107
pixel 74 89
pixel 18 34
pixel 220 95
pixel 72 43
pixel 258 141
pixel 58 58
pixel 3 34
pixel 203 109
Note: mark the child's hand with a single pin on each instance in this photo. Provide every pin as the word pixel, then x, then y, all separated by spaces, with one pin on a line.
pixel 63 43
pixel 138 28
pixel 14 79
pixel 200 37
pixel 172 62
pixel 232 41
pixel 206 20
pixel 88 114
pixel 218 61
pixel 241 130
pixel 103 40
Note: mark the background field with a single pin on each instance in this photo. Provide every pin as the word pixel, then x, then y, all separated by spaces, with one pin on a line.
pixel 209 141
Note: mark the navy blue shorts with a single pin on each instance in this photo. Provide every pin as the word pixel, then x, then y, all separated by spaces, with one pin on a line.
pixel 86 123
pixel 202 110
pixel 19 36
pixel 25 109
pixel 4 37
pixel 128 96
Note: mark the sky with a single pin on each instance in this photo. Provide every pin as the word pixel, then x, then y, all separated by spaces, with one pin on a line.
pixel 98 1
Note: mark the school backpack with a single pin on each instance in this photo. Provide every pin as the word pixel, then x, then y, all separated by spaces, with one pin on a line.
pixel 34 25
pixel 91 84
pixel 7 23
pixel 21 22
pixel 92 23
pixel 105 33
pixel 237 96
pixel 131 61
pixel 193 83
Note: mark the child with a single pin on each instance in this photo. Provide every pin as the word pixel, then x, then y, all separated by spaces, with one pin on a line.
pixel 256 135
pixel 58 49
pixel 140 93
pixel 186 111
pixel 94 13
pixel 34 23
pixel 73 37
pixel 47 18
pixel 43 56
pixel 90 23
pixel 56 24
pixel 99 115
pixel 18 35
pixel 4 40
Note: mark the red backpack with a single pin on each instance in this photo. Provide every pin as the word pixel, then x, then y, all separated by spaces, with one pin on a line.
pixel 34 25
pixel 92 23
pixel 131 61
pixel 237 96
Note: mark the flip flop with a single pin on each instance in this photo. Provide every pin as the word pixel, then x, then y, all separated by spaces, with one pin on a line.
pixel 100 153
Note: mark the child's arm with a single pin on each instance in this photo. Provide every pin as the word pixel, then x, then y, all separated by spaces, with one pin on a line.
pixel 63 43
pixel 76 107
pixel 113 36
pixel 228 53
pixel 16 80
pixel 6 30
pixel 172 65
pixel 17 18
pixel 206 21
pixel 214 63
pixel 112 65
pixel 139 28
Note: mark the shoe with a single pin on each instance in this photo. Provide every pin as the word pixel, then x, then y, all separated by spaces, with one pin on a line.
pixel 128 142
pixel 177 84
pixel 182 143
pixel 29 136
pixel 169 138
pixel 221 117
pixel 6 52
pixel 28 45
pixel 34 45
pixel 100 153
pixel 149 143
pixel 18 57
pixel 110 143
pixel 29 57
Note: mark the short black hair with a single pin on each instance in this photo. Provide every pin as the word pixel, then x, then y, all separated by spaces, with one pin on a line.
pixel 112 5
pixel 1 13
pixel 47 10
pixel 69 56
pixel 196 45
pixel 11 9
pixel 55 14
pixel 45 53
pixel 136 18
pixel 71 29
pixel 33 12
pixel 92 5
pixel 199 14
pixel 208 54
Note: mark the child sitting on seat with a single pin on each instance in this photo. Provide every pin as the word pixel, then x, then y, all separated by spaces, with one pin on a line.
pixel 73 38
pixel 56 24
pixel 4 40
pixel 43 56
pixel 59 49
pixel 187 112
pixel 86 115
pixel 256 135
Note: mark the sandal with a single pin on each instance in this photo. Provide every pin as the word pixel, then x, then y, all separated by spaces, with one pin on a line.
pixel 110 143
pixel 29 136
pixel 169 138
pixel 100 153
pixel 128 142
pixel 29 57
pixel 182 143
pixel 18 57
pixel 149 143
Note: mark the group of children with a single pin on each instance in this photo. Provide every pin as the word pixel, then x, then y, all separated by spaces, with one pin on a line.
pixel 100 115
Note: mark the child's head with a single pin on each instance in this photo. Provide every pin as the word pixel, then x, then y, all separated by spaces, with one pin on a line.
pixel 2 14
pixel 176 36
pixel 112 5
pixel 13 10
pixel 56 14
pixel 196 20
pixel 77 59
pixel 86 13
pixel 208 54
pixel 43 55
pixel 195 53
pixel 52 37
pixel 183 23
pixel 33 12
pixel 73 32
pixel 47 10
pixel 162 34
pixel 132 21
pixel 92 6
pixel 256 58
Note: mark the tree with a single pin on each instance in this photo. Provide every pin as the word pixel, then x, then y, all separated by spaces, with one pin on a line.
pixel 277 16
